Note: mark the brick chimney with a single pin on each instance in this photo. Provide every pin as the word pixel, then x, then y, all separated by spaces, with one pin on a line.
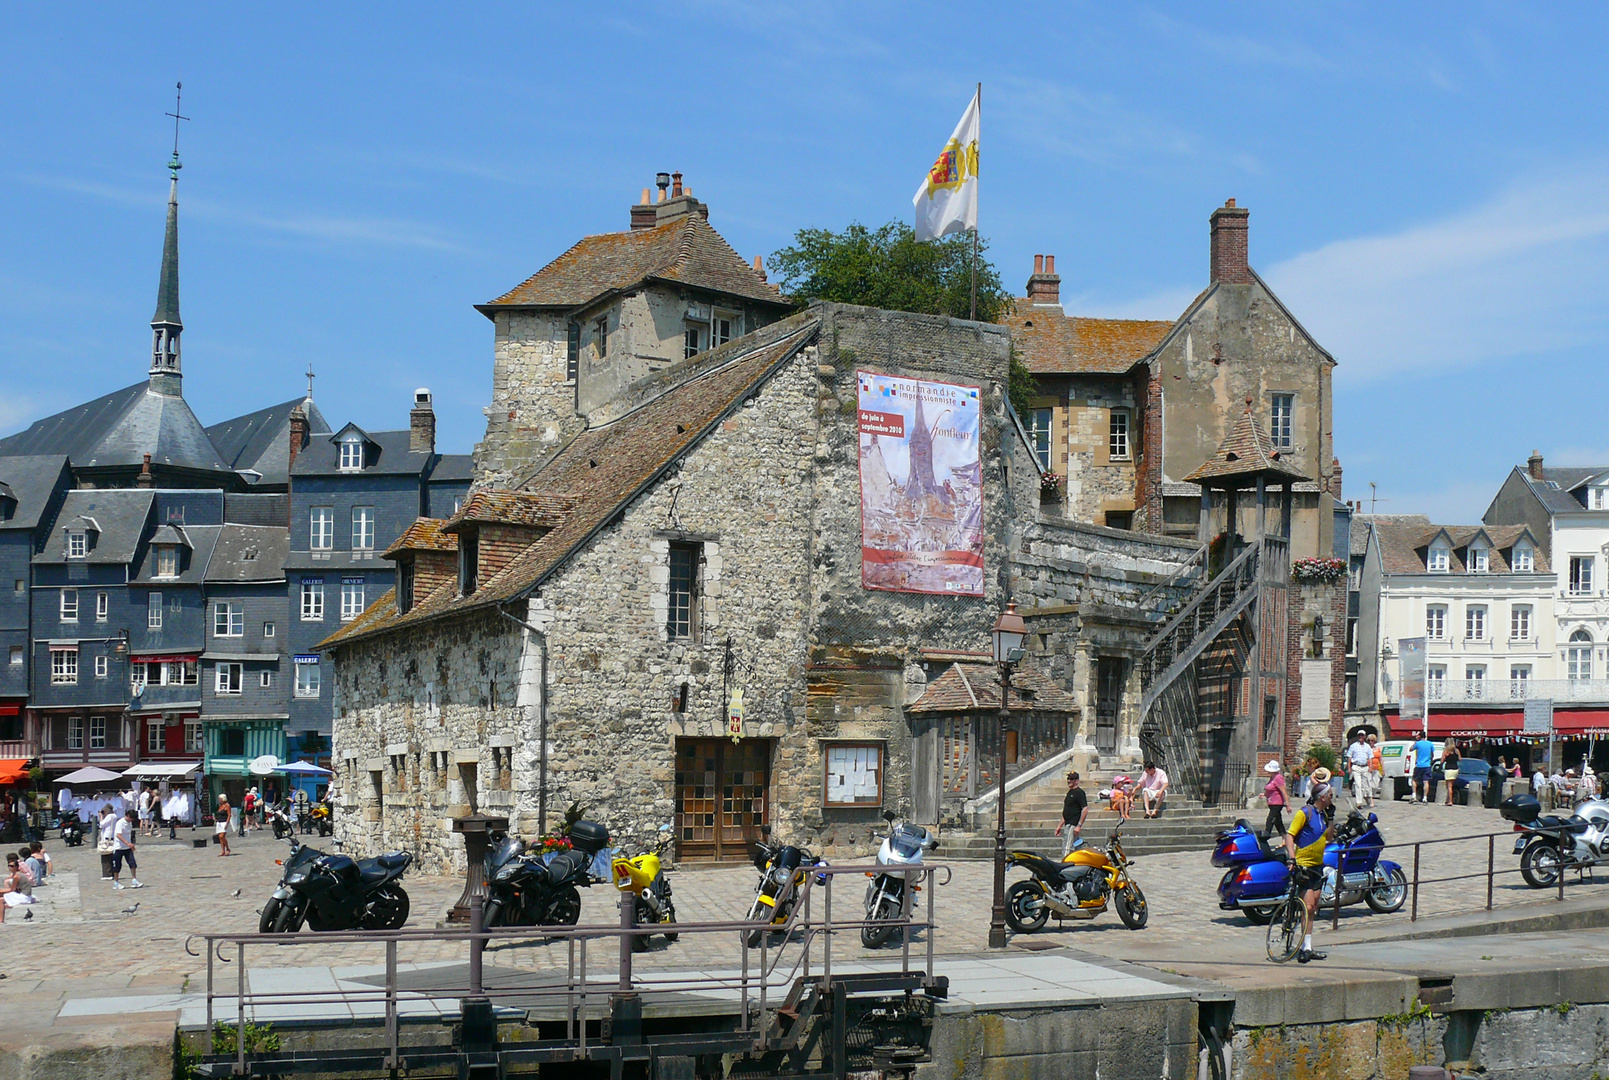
pixel 680 204
pixel 422 424
pixel 145 479
pixel 1335 478
pixel 1229 264
pixel 759 267
pixel 1044 286
pixel 298 434
pixel 643 215
pixel 1533 464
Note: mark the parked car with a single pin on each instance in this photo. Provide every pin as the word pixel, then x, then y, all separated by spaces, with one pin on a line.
pixel 1392 755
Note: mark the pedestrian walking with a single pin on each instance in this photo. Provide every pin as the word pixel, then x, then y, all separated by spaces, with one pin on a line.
pixel 248 806
pixel 1377 769
pixel 123 841
pixel 106 825
pixel 1074 809
pixel 1423 757
pixel 223 826
pixel 1358 756
pixel 1277 797
pixel 1449 769
pixel 1311 828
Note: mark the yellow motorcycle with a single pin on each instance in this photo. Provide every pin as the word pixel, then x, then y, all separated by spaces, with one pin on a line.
pixel 1081 886
pixel 644 877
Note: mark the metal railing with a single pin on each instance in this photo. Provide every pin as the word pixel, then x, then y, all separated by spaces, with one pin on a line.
pixel 760 1001
pixel 1497 691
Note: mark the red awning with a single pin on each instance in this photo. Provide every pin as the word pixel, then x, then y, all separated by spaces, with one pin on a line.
pixel 1462 724
pixel 153 658
pixel 11 709
pixel 13 770
pixel 1581 721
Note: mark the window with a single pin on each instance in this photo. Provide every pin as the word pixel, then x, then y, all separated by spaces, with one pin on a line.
pixel 404 586
pixel 1475 675
pixel 102 604
pixel 1578 657
pixel 228 679
pixel 572 359
pixel 136 678
pixel 312 601
pixel 77 544
pixel 1479 560
pixel 265 679
pixel 232 742
pixel 1600 498
pixel 1281 409
pixel 75 733
pixel 229 620
pixel 192 737
pixel 1117 438
pixel 19 585
pixel 155 743
pixel 321 527
pixel 153 611
pixel 351 600
pixel 69 605
pixel 1436 622
pixel 167 561
pixel 682 621
pixel 1435 682
pixel 600 336
pixel 102 665
pixel 268 629
pixel 97 733
pixel 692 340
pixel 16 656
pixel 1475 622
pixel 1580 575
pixel 1523 559
pixel 1438 560
pixel 363 528
pixel 307 680
pixel 1519 623
pixel 181 672
pixel 468 561
pixel 1120 519
pixel 1519 679
pixel 64 666
pixel 351 453
pixel 723 327
pixel 1039 435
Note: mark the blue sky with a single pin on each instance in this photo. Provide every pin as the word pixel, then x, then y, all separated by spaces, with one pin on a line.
pixel 1428 185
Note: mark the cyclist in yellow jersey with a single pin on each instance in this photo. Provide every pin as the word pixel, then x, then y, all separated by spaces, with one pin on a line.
pixel 1305 840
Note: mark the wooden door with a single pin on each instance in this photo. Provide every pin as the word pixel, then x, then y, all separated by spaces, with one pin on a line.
pixel 1109 673
pixel 925 783
pixel 723 796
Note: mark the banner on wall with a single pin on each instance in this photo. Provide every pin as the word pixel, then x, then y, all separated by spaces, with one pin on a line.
pixel 921 486
pixel 1411 670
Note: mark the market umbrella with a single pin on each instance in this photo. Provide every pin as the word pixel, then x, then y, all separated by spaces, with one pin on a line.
pixel 13 770
pixel 89 774
pixel 302 768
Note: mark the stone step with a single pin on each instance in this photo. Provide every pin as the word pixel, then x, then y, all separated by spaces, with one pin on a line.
pixel 1173 831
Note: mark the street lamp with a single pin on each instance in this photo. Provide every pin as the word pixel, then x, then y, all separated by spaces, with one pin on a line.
pixel 1009 631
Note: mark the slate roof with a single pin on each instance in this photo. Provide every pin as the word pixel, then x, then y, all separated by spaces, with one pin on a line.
pixel 453 467
pixel 512 508
pixel 967 687
pixel 388 456
pixel 425 534
pixel 261 440
pixel 1560 491
pixel 120 513
pixel 1051 343
pixel 248 553
pixel 118 429
pixel 604 468
pixel 1405 544
pixel 196 546
pixel 31 480
pixel 1245 452
pixel 686 251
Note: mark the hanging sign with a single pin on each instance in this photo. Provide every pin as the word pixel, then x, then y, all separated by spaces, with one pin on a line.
pixel 1538 716
pixel 734 716
pixel 1411 672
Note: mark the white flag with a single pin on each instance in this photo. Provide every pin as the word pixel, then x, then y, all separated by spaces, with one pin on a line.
pixel 947 201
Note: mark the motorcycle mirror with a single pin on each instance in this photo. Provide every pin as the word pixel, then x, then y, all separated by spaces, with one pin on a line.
pixel 1373 820
pixel 889 816
pixel 765 830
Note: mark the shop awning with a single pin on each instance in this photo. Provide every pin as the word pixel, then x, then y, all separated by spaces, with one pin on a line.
pixel 10 708
pixel 164 658
pixel 1581 722
pixel 13 770
pixel 162 770
pixel 1447 723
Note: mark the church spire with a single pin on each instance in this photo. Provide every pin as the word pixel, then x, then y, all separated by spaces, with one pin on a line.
pixel 165 325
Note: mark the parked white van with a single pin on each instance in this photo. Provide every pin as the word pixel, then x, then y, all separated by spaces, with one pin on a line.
pixel 1393 755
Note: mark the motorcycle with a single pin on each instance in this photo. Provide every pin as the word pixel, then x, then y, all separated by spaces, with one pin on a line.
pixel 532 888
pixel 1081 886
pixel 281 823
pixel 885 896
pixel 1554 844
pixel 782 875
pixel 1258 873
pixel 72 832
pixel 643 876
pixel 322 823
pixel 337 892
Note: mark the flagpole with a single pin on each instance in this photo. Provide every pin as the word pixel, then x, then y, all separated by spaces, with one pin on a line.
pixel 975 227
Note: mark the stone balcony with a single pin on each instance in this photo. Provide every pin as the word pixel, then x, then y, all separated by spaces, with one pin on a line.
pixel 1506 691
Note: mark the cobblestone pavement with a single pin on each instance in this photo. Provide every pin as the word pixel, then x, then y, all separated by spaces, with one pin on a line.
pixel 81 935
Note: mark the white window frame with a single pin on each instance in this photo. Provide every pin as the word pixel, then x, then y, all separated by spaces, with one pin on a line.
pixel 1040 425
pixel 1480 560
pixel 265 678
pixel 1599 498
pixel 308 680
pixel 1475 622
pixel 693 338
pixel 16 655
pixel 194 736
pixel 102 606
pixel 156 736
pixel 1519 622
pixel 352 604
pixel 228 679
pixel 1475 677
pixel 1118 444
pixel 363 528
pixel 1282 420
pixel 1435 681
pixel 75 733
pixel 97 733
pixel 153 611
pixel 1579 583
pixel 321 528
pixel 228 619
pixel 1524 559
pixel 167 561
pixel 312 601
pixel 103 665
pixel 1439 560
pixel 64 667
pixel 351 454
pixel 268 629
pixel 77 544
pixel 721 334
pixel 1519 676
pixel 69 605
pixel 1436 622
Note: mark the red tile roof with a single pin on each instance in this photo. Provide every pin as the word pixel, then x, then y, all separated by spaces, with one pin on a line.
pixel 511 508
pixel 973 687
pixel 1246 451
pixel 1052 343
pixel 425 534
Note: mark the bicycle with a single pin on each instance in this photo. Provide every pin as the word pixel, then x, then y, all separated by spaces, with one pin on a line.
pixel 1285 924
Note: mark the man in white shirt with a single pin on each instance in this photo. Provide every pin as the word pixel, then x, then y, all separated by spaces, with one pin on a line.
pixel 123 849
pixel 1358 756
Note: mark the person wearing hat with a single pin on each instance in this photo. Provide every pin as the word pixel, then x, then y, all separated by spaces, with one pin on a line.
pixel 1278 797
pixel 1311 828
pixel 1074 809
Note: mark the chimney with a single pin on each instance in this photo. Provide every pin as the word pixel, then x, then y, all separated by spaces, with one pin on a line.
pixel 422 424
pixel 298 434
pixel 1044 287
pixel 643 215
pixel 680 204
pixel 145 479
pixel 1533 465
pixel 1335 478
pixel 1229 264
pixel 759 267
pixel 675 185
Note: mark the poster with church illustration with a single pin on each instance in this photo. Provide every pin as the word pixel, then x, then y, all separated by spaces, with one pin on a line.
pixel 921 486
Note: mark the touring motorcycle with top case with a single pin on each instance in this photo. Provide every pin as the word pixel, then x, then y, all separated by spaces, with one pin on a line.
pixel 903 846
pixel 1553 844
pixel 1257 872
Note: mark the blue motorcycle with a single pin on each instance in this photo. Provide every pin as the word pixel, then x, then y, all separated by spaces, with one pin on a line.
pixel 1258 872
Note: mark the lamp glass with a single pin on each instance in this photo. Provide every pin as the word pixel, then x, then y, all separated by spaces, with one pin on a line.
pixel 1009 632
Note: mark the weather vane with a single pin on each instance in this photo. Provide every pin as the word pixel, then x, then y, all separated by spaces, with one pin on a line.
pixel 178 97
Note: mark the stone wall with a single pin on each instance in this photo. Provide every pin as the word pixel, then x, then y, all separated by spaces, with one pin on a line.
pixel 1327 601
pixel 532 412
pixel 1093 481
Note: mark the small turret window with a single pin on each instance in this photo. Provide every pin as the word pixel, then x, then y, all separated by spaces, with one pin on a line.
pixel 351 454
pixel 77 544
pixel 167 561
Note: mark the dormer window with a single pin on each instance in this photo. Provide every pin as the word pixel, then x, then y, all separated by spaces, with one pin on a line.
pixel 351 454
pixel 1439 559
pixel 404 586
pixel 1479 560
pixel 167 561
pixel 1598 498
pixel 1523 559
pixel 77 544
pixel 468 561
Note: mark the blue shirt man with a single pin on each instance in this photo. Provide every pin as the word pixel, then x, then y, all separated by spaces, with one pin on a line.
pixel 1423 752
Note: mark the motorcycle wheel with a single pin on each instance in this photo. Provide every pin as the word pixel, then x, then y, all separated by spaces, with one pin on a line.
pixel 639 942
pixel 1285 931
pixel 280 831
pixel 391 908
pixel 493 914
pixel 1384 899
pixel 670 917
pixel 880 925
pixel 1131 906
pixel 288 920
pixel 1541 866
pixel 1258 916
pixel 564 909
pixel 760 914
pixel 1021 915
pixel 265 925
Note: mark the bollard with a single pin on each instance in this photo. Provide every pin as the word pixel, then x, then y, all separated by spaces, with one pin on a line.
pixel 477 944
pixel 628 919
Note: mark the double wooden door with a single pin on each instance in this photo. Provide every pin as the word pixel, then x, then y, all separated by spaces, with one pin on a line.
pixel 723 796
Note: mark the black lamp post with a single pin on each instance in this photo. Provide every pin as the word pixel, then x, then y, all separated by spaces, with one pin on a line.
pixel 1008 634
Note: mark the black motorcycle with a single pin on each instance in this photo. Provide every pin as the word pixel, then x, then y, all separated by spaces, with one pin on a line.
pixel 72 832
pixel 523 890
pixel 337 892
pixel 783 869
